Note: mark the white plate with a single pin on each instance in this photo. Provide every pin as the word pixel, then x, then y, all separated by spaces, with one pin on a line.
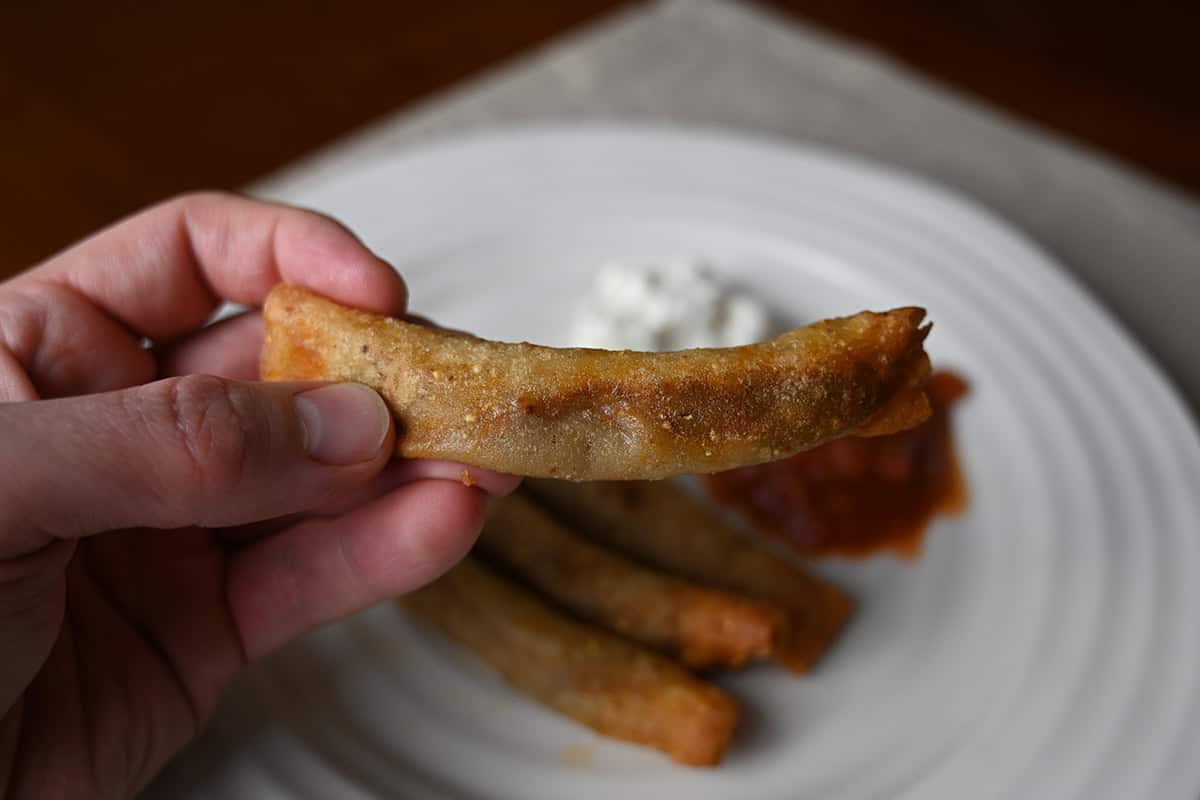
pixel 1045 646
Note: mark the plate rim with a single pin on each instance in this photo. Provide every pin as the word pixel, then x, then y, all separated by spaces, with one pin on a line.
pixel 866 169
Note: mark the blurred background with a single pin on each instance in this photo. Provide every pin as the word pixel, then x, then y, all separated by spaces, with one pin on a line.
pixel 111 106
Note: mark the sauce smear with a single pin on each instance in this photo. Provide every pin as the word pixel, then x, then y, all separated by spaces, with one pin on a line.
pixel 857 496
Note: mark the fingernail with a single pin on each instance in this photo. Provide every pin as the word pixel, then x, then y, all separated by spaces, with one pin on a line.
pixel 343 424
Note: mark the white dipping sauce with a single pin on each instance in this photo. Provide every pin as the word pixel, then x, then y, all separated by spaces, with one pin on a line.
pixel 670 305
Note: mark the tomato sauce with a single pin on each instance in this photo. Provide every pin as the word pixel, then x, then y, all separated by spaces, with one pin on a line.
pixel 857 496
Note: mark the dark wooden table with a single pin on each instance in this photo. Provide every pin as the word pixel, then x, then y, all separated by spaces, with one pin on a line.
pixel 110 106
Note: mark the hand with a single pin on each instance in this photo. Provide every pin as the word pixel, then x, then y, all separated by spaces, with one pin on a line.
pixel 160 528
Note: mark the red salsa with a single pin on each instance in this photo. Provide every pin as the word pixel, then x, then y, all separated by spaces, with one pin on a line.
pixel 857 496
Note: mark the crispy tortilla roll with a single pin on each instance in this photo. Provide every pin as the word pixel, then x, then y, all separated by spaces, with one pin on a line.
pixel 597 678
pixel 700 626
pixel 662 525
pixel 599 414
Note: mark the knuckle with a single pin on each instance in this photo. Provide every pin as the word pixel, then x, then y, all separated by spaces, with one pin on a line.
pixel 212 428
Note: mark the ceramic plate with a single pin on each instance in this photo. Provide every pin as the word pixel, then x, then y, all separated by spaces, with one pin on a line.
pixel 1044 646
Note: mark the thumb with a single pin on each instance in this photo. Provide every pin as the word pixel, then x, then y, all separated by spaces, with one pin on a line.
pixel 195 450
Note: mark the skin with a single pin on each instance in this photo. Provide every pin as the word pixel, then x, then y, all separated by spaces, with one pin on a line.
pixel 583 414
pixel 161 529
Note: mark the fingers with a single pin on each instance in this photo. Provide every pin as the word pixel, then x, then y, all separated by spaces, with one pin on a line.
pixel 404 471
pixel 321 570
pixel 162 272
pixel 30 615
pixel 62 344
pixel 196 450
pixel 228 348
pixel 493 483
pixel 160 275
pixel 396 474
pixel 14 383
pixel 170 588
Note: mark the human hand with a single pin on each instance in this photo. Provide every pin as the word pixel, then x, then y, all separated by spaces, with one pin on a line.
pixel 157 531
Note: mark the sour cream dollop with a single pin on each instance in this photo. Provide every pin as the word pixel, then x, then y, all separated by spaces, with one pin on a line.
pixel 670 305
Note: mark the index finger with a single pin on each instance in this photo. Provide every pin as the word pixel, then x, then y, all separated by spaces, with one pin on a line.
pixel 165 270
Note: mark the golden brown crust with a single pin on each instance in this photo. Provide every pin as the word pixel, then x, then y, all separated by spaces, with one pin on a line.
pixel 660 524
pixel 699 625
pixel 583 414
pixel 597 678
